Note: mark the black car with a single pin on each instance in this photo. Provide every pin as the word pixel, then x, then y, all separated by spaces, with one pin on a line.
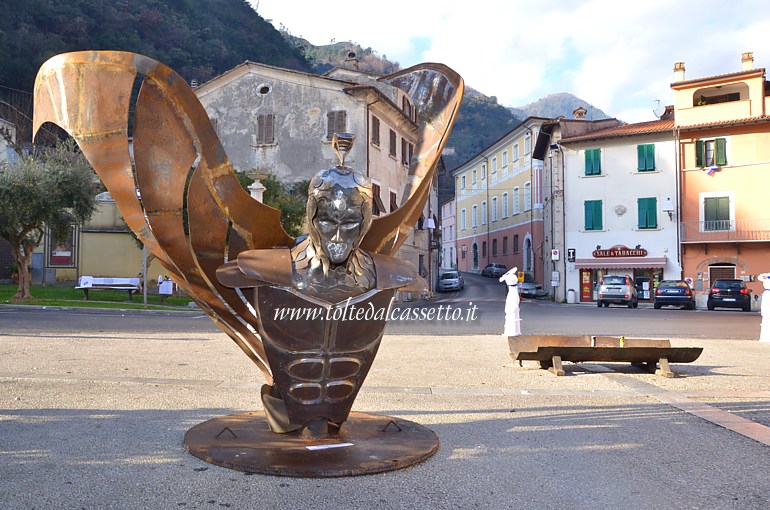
pixel 674 292
pixel 731 293
pixel 494 270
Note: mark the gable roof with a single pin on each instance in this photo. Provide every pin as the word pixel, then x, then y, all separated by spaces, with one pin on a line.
pixel 635 129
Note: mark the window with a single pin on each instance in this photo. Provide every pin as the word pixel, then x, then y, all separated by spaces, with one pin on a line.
pixel 527 196
pixel 375 131
pixel 463 186
pixel 516 208
pixel 265 124
pixel 494 165
pixel 463 220
pixel 716 213
pixel 406 151
pixel 494 208
pixel 483 171
pixel 505 204
pixel 505 245
pixel 505 159
pixel 393 201
pixel 645 155
pixel 392 150
pixel 516 152
pixel 527 143
pixel 473 176
pixel 648 212
pixel 711 152
pixel 377 205
pixel 475 216
pixel 515 243
pixel 484 249
pixel 593 214
pixel 335 123
pixel 484 212
pixel 593 162
pixel 494 247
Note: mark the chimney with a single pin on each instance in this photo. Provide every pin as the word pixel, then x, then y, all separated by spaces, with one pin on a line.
pixel 747 59
pixel 679 71
pixel 579 113
pixel 351 60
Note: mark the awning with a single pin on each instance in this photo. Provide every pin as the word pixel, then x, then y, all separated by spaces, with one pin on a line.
pixel 621 263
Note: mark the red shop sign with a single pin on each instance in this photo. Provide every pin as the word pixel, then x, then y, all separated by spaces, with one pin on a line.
pixel 620 251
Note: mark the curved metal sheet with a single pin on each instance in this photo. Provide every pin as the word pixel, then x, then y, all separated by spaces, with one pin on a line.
pixel 436 92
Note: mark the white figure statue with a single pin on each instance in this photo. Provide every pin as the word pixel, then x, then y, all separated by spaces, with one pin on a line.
pixel 512 320
pixel 764 327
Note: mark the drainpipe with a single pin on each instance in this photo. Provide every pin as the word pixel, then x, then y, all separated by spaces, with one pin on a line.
pixel 678 189
pixel 486 184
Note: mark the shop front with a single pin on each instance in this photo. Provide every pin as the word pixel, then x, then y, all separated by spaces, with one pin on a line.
pixel 620 260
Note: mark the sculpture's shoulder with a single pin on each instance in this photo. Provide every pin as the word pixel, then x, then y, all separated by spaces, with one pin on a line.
pixel 256 268
pixel 396 273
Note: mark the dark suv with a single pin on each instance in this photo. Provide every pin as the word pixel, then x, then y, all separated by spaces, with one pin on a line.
pixel 731 293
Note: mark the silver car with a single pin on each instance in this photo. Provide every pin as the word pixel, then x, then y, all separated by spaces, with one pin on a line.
pixel 450 280
pixel 619 290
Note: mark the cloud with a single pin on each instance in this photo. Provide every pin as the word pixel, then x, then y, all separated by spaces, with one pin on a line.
pixel 615 55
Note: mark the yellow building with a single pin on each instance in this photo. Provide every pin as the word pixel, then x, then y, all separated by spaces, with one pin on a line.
pixel 499 204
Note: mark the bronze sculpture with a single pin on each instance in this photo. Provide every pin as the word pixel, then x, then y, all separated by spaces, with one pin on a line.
pixel 214 240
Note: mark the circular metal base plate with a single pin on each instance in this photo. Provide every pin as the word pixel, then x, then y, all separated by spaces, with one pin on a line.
pixel 366 444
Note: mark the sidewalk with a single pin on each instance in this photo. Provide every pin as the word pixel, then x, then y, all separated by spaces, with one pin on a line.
pixel 97 421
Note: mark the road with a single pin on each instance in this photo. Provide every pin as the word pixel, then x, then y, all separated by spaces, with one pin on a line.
pixel 477 309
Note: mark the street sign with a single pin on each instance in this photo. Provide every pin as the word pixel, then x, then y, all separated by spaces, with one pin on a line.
pixel 570 254
pixel 554 254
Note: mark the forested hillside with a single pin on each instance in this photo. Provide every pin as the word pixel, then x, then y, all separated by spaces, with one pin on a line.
pixel 199 39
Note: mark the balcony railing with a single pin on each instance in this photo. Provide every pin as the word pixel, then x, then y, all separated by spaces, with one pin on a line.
pixel 721 231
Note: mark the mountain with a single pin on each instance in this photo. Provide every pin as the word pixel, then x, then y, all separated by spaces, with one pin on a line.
pixel 553 105
pixel 199 39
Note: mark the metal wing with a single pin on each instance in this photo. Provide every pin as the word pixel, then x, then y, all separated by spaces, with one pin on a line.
pixel 180 195
pixel 436 92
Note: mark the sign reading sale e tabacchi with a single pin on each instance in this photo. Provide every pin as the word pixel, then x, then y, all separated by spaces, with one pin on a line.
pixel 620 251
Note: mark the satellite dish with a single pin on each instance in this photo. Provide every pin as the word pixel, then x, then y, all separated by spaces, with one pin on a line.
pixel 658 110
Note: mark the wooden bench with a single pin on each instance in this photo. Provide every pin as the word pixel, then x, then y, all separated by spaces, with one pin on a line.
pixel 130 285
pixel 552 350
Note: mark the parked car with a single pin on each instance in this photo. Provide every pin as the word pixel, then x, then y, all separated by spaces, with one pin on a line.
pixel 450 280
pixel 674 292
pixel 528 288
pixel 729 293
pixel 494 270
pixel 618 290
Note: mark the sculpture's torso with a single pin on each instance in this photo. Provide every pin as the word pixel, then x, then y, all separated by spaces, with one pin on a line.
pixel 320 352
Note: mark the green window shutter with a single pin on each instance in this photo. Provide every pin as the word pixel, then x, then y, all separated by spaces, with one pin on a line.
pixel 641 204
pixel 652 213
pixel 710 209
pixel 723 208
pixel 589 163
pixel 641 158
pixel 598 215
pixel 597 161
pixel 716 209
pixel 700 153
pixel 721 156
pixel 650 156
pixel 593 214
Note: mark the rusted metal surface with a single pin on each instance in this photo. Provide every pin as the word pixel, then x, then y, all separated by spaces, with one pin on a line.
pixel 366 444
pixel 551 350
pixel 180 196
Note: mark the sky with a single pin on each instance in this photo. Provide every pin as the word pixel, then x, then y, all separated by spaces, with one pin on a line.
pixel 617 55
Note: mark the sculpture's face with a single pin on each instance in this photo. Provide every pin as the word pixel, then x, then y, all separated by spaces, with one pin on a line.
pixel 339 212
pixel 338 222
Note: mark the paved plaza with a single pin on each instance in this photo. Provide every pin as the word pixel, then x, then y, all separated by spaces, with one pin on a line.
pixel 96 421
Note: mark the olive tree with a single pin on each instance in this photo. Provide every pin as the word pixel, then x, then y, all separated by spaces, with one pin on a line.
pixel 53 189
